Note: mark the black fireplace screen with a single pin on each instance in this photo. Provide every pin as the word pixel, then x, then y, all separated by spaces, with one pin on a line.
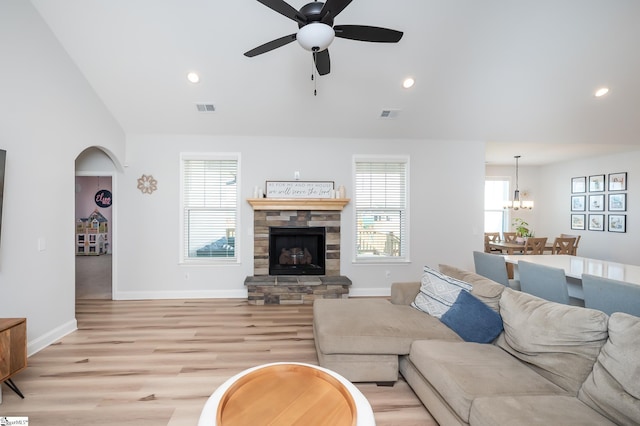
pixel 297 251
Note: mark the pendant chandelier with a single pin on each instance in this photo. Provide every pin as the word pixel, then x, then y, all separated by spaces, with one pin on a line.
pixel 516 203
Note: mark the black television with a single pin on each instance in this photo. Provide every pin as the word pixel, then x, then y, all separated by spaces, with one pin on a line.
pixel 3 160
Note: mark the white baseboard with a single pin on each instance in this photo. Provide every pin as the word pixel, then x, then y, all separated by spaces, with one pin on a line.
pixel 201 294
pixel 51 337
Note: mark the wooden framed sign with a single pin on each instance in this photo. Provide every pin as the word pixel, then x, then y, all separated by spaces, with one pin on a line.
pixel 299 189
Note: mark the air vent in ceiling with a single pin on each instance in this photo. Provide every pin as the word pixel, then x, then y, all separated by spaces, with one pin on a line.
pixel 205 107
pixel 389 113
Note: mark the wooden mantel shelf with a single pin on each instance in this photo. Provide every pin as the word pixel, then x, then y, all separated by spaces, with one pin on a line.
pixel 298 203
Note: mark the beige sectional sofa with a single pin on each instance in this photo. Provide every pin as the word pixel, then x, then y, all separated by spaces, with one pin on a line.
pixel 552 364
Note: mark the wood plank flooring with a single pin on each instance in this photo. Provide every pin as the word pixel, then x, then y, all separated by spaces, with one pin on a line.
pixel 156 363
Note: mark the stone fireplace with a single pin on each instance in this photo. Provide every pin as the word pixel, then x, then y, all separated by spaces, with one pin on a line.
pixel 293 275
pixel 264 220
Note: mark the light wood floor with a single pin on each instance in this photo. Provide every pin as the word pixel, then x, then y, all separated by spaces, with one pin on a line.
pixel 93 277
pixel 156 363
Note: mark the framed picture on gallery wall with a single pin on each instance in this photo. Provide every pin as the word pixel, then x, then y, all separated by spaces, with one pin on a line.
pixel 596 222
pixel 596 183
pixel 577 221
pixel 578 203
pixel 617 223
pixel 578 185
pixel 618 181
pixel 596 203
pixel 618 202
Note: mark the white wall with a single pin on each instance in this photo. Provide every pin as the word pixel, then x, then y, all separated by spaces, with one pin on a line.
pixel 440 230
pixel 550 188
pixel 556 209
pixel 48 115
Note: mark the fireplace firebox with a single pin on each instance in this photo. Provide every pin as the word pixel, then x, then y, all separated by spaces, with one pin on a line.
pixel 297 250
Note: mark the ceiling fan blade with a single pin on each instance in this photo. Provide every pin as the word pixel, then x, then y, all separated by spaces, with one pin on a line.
pixel 285 9
pixel 334 7
pixel 367 33
pixel 323 63
pixel 273 44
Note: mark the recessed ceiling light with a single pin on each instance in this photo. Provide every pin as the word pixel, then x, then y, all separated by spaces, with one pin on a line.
pixel 408 82
pixel 193 77
pixel 602 91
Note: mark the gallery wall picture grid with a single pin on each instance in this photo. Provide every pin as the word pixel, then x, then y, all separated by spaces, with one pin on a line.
pixel 577 221
pixel 618 202
pixel 617 223
pixel 596 222
pixel 578 203
pixel 618 181
pixel 596 183
pixel 596 203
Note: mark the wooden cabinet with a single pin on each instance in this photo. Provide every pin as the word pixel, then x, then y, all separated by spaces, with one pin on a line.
pixel 13 346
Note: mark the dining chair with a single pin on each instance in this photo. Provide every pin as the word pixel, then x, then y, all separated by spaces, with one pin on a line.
pixel 509 237
pixel 543 281
pixel 490 237
pixel 575 246
pixel 493 267
pixel 563 245
pixel 535 245
pixel 609 295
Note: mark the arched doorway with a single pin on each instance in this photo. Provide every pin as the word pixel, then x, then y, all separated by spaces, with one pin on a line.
pixel 94 225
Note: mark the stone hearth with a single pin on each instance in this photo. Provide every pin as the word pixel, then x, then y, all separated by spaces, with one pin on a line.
pixel 295 290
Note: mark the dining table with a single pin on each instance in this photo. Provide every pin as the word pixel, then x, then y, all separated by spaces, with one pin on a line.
pixel 513 247
pixel 575 266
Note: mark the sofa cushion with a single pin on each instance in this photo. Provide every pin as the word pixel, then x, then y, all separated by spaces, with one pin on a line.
pixel 560 342
pixel 404 293
pixel 483 288
pixel 372 326
pixel 542 410
pixel 473 320
pixel 438 292
pixel 462 371
pixel 613 387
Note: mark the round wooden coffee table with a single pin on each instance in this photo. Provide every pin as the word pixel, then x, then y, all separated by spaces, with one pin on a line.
pixel 287 394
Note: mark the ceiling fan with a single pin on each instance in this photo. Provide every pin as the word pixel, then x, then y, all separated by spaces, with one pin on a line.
pixel 316 30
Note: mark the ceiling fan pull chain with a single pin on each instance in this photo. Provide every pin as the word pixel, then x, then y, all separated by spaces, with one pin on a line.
pixel 314 78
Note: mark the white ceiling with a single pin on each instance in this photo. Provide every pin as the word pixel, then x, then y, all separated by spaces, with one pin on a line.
pixel 517 74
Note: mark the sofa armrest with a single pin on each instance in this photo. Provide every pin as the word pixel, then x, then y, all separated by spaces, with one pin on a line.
pixel 404 293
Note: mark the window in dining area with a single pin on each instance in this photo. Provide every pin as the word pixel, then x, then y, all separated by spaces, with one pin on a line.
pixel 496 191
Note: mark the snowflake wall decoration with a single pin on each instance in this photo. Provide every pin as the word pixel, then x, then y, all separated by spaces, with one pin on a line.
pixel 147 184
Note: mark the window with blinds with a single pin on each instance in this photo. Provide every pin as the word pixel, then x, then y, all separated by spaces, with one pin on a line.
pixel 210 202
pixel 381 202
pixel 496 190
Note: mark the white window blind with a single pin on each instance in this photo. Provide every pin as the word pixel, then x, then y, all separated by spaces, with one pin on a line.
pixel 381 209
pixel 496 191
pixel 210 208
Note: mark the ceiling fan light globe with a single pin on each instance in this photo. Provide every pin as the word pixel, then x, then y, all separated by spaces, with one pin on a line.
pixel 315 37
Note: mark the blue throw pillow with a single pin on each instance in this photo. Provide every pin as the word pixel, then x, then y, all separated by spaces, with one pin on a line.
pixel 472 319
